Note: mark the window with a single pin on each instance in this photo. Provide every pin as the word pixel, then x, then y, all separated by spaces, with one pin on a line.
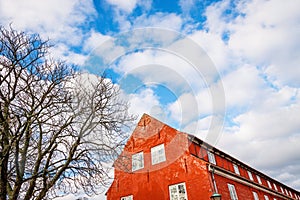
pixel 137 161
pixel 266 197
pixel 281 190
pixel 286 192
pixel 255 196
pixel 250 175
pixel 232 192
pixel 158 154
pixel 211 157
pixel 236 169
pixel 269 184
pixel 258 179
pixel 274 185
pixel 178 192
pixel 130 197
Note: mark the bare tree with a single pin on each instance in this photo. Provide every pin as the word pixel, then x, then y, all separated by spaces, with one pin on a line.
pixel 59 128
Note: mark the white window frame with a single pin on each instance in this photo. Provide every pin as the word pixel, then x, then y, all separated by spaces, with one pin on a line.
pixel 129 197
pixel 286 191
pixel 269 184
pixel 255 196
pixel 137 161
pixel 275 186
pixel 211 157
pixel 282 191
pixel 178 191
pixel 232 192
pixel 250 175
pixel 158 154
pixel 258 179
pixel 266 197
pixel 236 169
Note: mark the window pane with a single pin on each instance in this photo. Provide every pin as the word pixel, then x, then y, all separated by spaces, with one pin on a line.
pixel 266 197
pixel 275 186
pixel 232 192
pixel 130 197
pixel 178 192
pixel 269 184
pixel 236 169
pixel 137 161
pixel 158 154
pixel 259 180
pixel 255 196
pixel 250 175
pixel 211 157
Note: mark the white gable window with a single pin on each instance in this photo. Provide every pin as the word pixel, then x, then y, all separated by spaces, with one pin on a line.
pixel 266 197
pixel 211 157
pixel 232 192
pixel 130 197
pixel 258 179
pixel 250 175
pixel 158 154
pixel 236 169
pixel 178 192
pixel 269 184
pixel 255 196
pixel 137 161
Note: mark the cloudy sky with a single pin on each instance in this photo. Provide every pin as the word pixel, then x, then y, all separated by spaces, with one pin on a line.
pixel 226 71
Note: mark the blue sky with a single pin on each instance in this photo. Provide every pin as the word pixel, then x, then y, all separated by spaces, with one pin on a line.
pixel 245 80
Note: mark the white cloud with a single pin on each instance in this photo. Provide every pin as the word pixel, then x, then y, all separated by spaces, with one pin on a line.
pixel 259 35
pixel 243 87
pixel 126 6
pixel 186 5
pixel 162 20
pixel 174 72
pixel 185 109
pixel 215 22
pixel 261 81
pixel 266 37
pixel 215 48
pixel 94 40
pixel 143 102
pixel 63 52
pixel 54 19
pixel 59 21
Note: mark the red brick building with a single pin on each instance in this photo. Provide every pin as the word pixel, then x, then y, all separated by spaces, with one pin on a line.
pixel 159 162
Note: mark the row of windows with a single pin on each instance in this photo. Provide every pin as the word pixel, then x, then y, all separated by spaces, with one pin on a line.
pixel 211 159
pixel 157 156
pixel 255 196
pixel 176 192
pixel 233 194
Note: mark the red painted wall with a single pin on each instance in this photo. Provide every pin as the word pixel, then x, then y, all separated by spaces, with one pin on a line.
pixel 152 182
